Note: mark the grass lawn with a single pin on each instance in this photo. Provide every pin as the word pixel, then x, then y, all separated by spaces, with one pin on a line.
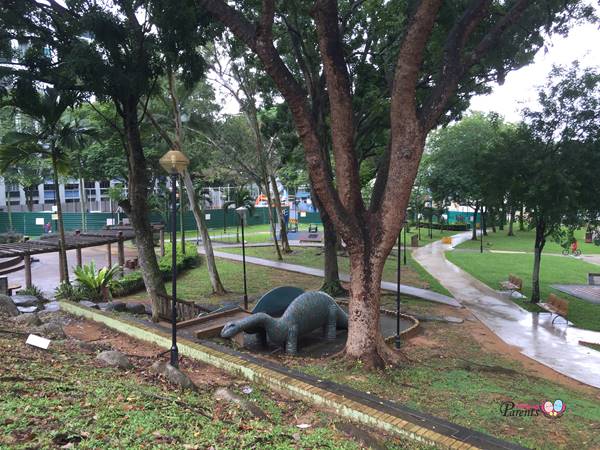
pixel 194 284
pixel 62 398
pixel 523 241
pixel 491 268
pixel 412 274
pixel 425 239
pixel 450 375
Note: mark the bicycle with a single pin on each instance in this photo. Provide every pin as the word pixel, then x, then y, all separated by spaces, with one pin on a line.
pixel 568 251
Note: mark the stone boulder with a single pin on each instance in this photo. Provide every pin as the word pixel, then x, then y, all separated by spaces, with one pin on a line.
pixel 28 320
pixel 52 307
pixel 50 330
pixel 136 308
pixel 173 375
pixel 89 304
pixel 225 395
pixel 26 300
pixel 114 358
pixel 27 309
pixel 112 306
pixel 7 307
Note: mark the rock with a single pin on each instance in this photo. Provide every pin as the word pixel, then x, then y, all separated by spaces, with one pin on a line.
pixel 50 330
pixel 112 306
pixel 25 300
pixel 115 359
pixel 7 307
pixel 28 320
pixel 225 395
pixel 27 309
pixel 52 307
pixel 136 308
pixel 88 304
pixel 173 374
pixel 452 319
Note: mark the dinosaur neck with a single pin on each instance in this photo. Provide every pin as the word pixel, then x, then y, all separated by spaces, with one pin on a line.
pixel 260 319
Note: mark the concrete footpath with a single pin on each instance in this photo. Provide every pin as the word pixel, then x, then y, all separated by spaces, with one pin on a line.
pixel 554 345
pixel 423 294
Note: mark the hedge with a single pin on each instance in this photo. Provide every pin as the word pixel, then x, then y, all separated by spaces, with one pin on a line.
pixel 134 282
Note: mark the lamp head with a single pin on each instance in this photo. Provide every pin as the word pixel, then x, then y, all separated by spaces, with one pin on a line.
pixel 242 211
pixel 174 161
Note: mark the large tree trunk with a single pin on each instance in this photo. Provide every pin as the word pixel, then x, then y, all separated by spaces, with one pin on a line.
pixel 137 209
pixel 365 342
pixel 271 218
pixel 474 233
pixel 82 201
pixel 522 219
pixel 9 212
pixel 540 241
pixel 511 221
pixel 197 210
pixel 285 245
pixel 64 272
pixel 331 283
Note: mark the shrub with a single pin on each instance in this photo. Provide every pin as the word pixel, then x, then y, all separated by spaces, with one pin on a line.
pixel 35 291
pixel 95 283
pixel 134 282
pixel 70 292
pixel 10 237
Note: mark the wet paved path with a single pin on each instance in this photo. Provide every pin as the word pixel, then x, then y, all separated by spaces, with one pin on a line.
pixel 555 346
pixel 423 294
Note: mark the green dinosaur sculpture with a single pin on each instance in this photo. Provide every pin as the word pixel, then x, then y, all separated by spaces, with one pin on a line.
pixel 306 313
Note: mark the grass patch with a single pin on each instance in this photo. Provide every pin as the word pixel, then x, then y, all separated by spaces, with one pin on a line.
pixel 455 378
pixel 523 241
pixel 61 399
pixel 412 274
pixel 195 285
pixel 491 268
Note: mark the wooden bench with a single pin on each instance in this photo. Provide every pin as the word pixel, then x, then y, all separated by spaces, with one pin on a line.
pixel 513 284
pixel 556 305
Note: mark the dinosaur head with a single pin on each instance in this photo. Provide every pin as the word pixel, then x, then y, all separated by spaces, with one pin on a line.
pixel 230 329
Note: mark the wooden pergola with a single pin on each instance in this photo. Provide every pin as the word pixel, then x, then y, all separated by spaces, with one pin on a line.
pixel 73 241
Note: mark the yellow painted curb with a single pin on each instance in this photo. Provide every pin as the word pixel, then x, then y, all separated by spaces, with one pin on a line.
pixel 235 365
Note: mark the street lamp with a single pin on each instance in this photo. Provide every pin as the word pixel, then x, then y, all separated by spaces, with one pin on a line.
pixel 397 338
pixel 174 162
pixel 242 211
pixel 481 225
pixel 430 218
pixel 405 227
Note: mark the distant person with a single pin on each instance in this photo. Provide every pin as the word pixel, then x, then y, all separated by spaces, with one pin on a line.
pixel 48 228
pixel 574 246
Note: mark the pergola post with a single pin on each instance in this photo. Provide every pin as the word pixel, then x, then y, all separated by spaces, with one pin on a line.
pixel 162 241
pixel 109 254
pixel 121 250
pixel 78 251
pixel 60 263
pixel 27 266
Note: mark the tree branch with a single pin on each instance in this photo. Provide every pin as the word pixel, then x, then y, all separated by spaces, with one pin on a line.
pixel 326 15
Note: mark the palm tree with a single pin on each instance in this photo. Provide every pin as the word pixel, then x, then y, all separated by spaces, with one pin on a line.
pixel 50 137
pixel 241 198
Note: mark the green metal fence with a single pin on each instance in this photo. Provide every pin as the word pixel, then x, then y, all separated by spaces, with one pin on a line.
pixel 32 223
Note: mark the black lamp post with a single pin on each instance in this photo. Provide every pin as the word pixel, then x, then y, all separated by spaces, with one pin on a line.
pixel 405 227
pixel 397 339
pixel 481 225
pixel 242 211
pixel 174 162
pixel 430 218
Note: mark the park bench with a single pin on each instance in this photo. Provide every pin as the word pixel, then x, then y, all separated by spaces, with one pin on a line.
pixel 12 288
pixel 594 279
pixel 556 305
pixel 513 284
pixel 313 228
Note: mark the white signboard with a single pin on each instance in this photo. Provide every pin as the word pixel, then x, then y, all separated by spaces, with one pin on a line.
pixel 110 222
pixel 39 221
pixel 54 208
pixel 302 213
pixel 54 216
pixel 207 216
pixel 38 341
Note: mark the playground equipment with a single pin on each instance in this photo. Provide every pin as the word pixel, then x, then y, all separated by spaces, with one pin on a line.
pixel 308 312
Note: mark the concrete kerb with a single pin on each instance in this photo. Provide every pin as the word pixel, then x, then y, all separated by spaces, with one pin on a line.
pixel 343 406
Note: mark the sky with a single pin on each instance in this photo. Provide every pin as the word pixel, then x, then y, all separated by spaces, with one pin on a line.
pixel 520 88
